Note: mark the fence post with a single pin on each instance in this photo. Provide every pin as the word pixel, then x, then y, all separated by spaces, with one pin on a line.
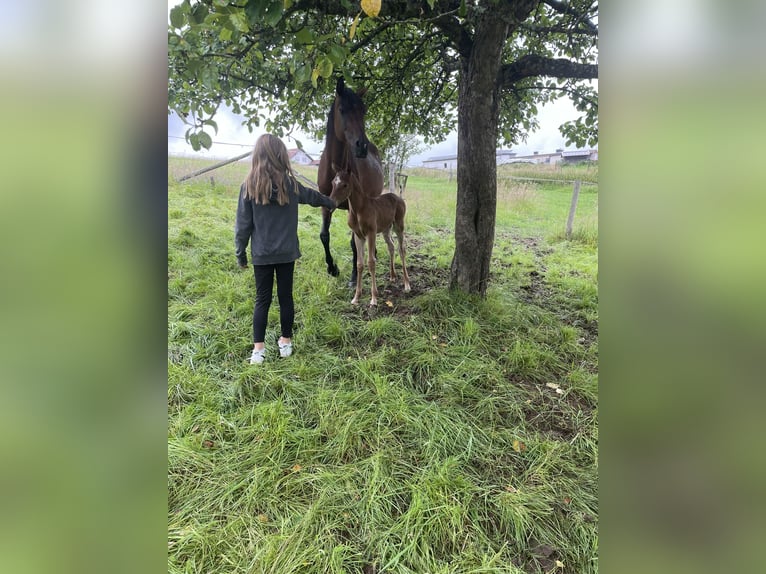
pixel 391 177
pixel 573 207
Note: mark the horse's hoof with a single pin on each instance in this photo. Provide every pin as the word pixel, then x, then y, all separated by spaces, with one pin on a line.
pixel 333 270
pixel 373 303
pixel 354 302
pixel 352 284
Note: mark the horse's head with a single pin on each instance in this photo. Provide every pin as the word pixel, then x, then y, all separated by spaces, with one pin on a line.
pixel 349 118
pixel 341 185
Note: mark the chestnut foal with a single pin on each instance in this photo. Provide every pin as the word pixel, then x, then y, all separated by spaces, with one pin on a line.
pixel 368 216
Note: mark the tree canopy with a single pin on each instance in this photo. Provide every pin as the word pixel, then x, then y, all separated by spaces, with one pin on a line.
pixel 274 62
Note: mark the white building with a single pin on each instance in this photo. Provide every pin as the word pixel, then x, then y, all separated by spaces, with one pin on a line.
pixel 441 162
pixel 299 156
pixel 504 156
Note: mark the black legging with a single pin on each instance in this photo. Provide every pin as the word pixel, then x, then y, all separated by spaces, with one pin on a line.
pixel 264 285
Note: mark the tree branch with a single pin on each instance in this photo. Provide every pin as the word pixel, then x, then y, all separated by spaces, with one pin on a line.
pixel 457 34
pixel 563 7
pixel 533 65
pixel 559 30
pixel 384 26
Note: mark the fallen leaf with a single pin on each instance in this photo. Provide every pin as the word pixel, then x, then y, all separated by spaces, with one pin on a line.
pixel 519 446
pixel 559 392
pixel 296 468
pixel 567 500
pixel 552 385
pixel 509 488
pixel 559 564
pixel 263 519
pixel 207 444
pixel 434 337
pixel 389 303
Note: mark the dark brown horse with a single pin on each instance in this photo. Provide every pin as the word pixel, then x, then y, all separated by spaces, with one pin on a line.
pixel 368 216
pixel 346 147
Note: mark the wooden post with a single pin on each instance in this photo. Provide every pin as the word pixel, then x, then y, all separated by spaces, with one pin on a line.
pixel 391 177
pixel 573 207
pixel 216 166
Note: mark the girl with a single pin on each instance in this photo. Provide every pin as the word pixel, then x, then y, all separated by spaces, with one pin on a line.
pixel 267 217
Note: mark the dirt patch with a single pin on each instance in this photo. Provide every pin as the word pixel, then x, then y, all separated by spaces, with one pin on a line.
pixel 392 299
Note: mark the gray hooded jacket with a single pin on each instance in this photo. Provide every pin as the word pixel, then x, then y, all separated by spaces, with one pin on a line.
pixel 272 229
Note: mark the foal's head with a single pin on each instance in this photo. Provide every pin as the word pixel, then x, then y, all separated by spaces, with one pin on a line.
pixel 348 111
pixel 342 184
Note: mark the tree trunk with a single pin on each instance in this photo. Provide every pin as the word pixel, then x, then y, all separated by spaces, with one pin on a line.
pixel 477 167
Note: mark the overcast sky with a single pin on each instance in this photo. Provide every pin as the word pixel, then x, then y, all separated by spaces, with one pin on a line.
pixel 233 138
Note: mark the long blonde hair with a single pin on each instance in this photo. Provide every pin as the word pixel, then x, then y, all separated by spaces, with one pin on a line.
pixel 270 168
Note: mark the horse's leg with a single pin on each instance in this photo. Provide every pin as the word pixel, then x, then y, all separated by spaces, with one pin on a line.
pixel 324 236
pixel 371 264
pixel 352 282
pixel 359 244
pixel 390 244
pixel 400 238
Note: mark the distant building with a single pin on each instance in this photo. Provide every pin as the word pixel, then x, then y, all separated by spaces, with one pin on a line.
pixel 504 156
pixel 442 162
pixel 299 156
pixel 579 155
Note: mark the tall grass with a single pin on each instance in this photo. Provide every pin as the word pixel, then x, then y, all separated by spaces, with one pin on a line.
pixel 437 433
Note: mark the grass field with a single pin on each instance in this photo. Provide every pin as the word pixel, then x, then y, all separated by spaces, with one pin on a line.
pixel 437 433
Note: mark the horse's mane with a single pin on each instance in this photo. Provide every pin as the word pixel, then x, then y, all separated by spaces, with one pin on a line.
pixel 330 123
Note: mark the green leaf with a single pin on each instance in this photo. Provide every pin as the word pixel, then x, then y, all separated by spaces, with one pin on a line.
pixel 177 16
pixel 431 3
pixel 225 34
pixel 274 13
pixel 199 13
pixel 254 9
pixel 239 19
pixel 314 76
pixel 462 11
pixel 205 140
pixel 305 36
pixel 208 76
pixel 302 73
pixel 325 67
pixel 194 66
pixel 337 54
pixel 194 141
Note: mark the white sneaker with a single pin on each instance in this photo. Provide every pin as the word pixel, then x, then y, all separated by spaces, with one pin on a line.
pixel 285 349
pixel 258 356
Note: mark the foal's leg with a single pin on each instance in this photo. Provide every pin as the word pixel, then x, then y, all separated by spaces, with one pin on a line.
pixel 359 243
pixel 400 238
pixel 390 244
pixel 324 236
pixel 371 236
